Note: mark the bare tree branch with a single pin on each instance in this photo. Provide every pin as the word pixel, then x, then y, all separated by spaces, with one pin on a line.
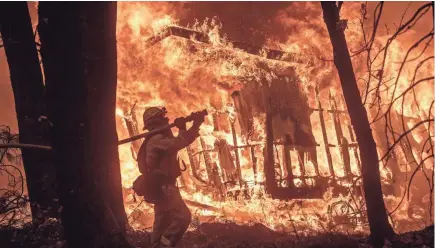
pixel 25 146
pixel 404 134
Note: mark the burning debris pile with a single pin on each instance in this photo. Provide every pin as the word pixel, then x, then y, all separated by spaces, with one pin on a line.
pixel 277 149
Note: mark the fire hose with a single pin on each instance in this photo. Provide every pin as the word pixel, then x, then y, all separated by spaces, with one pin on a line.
pixel 189 118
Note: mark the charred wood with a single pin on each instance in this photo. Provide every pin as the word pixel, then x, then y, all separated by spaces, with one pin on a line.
pixel 194 165
pixel 269 160
pixel 215 122
pixel 202 37
pixel 301 160
pixel 254 163
pixel 244 114
pixel 288 164
pixel 341 140
pixel 207 161
pixel 325 136
pixel 225 159
pixel 236 153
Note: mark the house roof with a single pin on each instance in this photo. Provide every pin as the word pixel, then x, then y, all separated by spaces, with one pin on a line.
pixel 204 38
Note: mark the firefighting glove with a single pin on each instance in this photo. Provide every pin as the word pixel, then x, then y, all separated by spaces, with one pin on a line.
pixel 180 123
pixel 198 118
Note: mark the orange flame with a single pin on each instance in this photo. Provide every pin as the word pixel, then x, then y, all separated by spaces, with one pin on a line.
pixel 186 75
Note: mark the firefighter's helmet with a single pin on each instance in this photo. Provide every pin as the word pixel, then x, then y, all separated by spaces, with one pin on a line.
pixel 150 114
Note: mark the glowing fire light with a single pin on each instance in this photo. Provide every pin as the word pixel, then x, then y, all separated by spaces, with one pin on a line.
pixel 186 75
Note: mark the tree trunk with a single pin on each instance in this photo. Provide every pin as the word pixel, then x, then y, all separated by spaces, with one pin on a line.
pixel 78 47
pixel 28 88
pixel 377 215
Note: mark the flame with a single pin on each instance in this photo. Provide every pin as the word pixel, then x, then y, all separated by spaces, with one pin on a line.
pixel 185 75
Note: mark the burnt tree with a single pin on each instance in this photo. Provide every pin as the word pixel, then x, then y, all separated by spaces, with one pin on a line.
pixel 28 88
pixel 376 212
pixel 78 48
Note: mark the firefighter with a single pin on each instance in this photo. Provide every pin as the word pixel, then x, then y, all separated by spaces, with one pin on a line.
pixel 171 215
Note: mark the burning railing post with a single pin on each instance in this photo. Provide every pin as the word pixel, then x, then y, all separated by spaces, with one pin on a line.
pixel 277 166
pixel 212 169
pixel 254 163
pixel 207 160
pixel 226 161
pixel 301 161
pixel 345 155
pixel 217 182
pixel 244 114
pixel 325 135
pixel 236 151
pixel 340 138
pixel 313 158
pixel 288 161
pixel 269 170
pixel 191 159
pixel 354 145
pixel 194 165
pixel 215 122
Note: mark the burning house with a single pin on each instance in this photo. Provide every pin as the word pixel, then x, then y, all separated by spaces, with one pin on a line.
pixel 260 138
pixel 277 140
pixel 277 149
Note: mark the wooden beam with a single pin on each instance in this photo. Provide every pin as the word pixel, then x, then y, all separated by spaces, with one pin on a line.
pixel 254 163
pixel 325 136
pixel 194 165
pixel 288 164
pixel 269 170
pixel 207 161
pixel 236 152
pixel 344 149
pixel 245 47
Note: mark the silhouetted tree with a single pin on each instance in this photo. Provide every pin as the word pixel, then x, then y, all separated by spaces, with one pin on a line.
pixel 376 212
pixel 78 49
pixel 28 88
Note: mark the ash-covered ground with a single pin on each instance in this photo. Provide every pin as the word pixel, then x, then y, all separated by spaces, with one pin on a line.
pixel 218 235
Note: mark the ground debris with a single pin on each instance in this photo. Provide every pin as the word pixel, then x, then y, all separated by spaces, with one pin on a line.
pixel 219 235
pixel 423 238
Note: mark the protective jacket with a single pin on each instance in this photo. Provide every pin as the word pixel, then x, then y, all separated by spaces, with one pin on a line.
pixel 161 153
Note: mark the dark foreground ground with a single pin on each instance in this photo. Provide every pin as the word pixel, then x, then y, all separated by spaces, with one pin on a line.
pixel 216 235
